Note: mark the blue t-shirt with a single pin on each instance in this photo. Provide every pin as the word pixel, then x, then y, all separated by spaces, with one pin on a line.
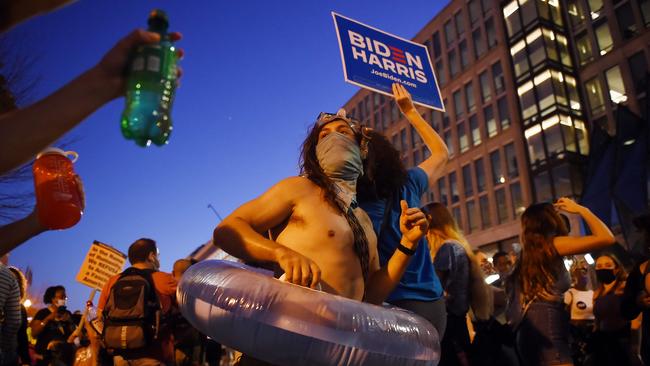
pixel 420 281
pixel 452 258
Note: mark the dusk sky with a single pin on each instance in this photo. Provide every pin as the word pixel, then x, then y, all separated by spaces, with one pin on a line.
pixel 256 74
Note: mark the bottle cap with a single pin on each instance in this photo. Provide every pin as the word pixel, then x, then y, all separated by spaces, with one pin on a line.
pixel 158 21
pixel 72 155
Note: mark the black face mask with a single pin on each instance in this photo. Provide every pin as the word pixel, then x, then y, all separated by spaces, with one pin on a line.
pixel 605 276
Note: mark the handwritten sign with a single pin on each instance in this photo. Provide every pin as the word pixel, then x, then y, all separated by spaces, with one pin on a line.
pixel 102 262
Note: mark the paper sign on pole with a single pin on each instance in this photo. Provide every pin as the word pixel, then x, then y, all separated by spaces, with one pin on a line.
pixel 102 262
pixel 374 59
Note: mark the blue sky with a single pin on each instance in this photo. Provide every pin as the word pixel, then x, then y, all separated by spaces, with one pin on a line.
pixel 256 75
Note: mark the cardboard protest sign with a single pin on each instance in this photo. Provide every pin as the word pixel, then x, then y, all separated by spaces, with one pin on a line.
pixel 374 59
pixel 102 262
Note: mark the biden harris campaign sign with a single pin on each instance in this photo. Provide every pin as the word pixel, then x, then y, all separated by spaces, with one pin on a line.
pixel 374 59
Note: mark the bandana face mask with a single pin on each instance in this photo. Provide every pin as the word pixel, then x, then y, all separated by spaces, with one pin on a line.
pixel 340 157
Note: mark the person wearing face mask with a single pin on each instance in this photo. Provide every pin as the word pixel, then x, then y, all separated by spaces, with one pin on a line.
pixel 318 233
pixel 51 326
pixel 143 257
pixel 613 333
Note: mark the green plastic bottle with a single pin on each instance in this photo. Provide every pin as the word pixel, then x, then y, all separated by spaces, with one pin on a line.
pixel 151 85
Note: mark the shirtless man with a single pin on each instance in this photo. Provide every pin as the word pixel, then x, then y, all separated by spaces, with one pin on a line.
pixel 319 235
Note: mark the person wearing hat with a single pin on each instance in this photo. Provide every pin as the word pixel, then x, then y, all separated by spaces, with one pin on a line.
pixel 636 296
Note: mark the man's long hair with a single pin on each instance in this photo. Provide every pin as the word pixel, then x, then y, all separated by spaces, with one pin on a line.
pixel 536 270
pixel 310 168
pixel 384 172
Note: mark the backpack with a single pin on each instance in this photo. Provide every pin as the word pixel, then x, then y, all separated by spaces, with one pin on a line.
pixel 132 313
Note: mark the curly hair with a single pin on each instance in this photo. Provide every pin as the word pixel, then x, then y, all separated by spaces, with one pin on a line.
pixel 311 169
pixel 384 172
pixel 536 268
pixel 50 292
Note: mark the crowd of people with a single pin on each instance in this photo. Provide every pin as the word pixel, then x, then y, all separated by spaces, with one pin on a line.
pixel 352 224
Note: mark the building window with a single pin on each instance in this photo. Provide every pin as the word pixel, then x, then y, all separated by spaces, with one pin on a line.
pixel 543 187
pixel 445 116
pixel 518 206
pixel 604 38
pixel 511 161
pixel 460 29
pixel 474 11
pixel 453 63
pixel 458 104
pixel 450 35
pixel 491 33
pixel 497 172
pixel 442 188
pixel 472 216
pixel 499 79
pixel 535 144
pixel 440 72
pixel 616 87
pixel 626 22
pixel 475 131
pixel 437 52
pixel 502 205
pixel 576 13
pixel 479 170
pixel 485 211
pixel 416 140
pixel 404 141
pixel 450 144
pixel 455 212
pixel 520 58
pixel 596 7
pixel 467 181
pixel 416 157
pixel 581 132
pixel 464 55
pixel 562 181
pixel 490 122
pixel 504 114
pixel 639 71
pixel 528 12
pixel 463 141
pixel 486 93
pixel 595 96
pixel 585 53
pixel 469 94
pixel 479 43
pixel 453 187
pixel 645 11
pixel 527 100
pixel 511 14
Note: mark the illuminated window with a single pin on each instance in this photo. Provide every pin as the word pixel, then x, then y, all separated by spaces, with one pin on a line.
pixel 595 96
pixel 576 13
pixel 595 7
pixel 475 131
pixel 479 170
pixel 469 94
pixel 504 114
pixel 453 187
pixel 497 173
pixel 527 99
pixel 615 84
pixel 463 141
pixel 585 53
pixel 499 79
pixel 581 133
pixel 511 14
pixel 490 122
pixel 604 37
pixel 535 144
pixel 520 57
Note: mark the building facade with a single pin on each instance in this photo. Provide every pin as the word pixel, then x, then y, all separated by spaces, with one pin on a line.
pixel 522 81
